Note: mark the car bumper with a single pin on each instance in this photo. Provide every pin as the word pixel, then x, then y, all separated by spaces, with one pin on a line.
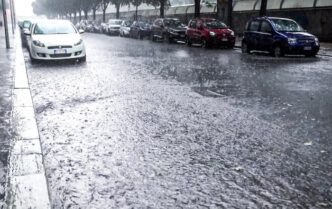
pixel 113 31
pixel 302 49
pixel 43 53
pixel 145 33
pixel 222 41
pixel 177 37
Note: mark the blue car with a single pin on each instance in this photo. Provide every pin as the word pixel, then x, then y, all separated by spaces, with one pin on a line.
pixel 279 36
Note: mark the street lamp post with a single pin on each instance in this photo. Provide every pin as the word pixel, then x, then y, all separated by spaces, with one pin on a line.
pixel 5 23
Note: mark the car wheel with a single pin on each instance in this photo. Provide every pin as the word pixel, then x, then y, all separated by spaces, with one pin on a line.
pixel 188 42
pixel 277 51
pixel 204 43
pixel 165 38
pixel 244 48
pixel 83 59
pixel 32 60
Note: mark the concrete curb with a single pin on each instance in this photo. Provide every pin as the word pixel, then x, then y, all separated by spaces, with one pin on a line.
pixel 27 184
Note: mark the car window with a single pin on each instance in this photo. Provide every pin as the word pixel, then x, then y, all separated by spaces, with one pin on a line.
pixel 26 24
pixel 53 28
pixel 254 25
pixel 215 24
pixel 283 25
pixel 193 24
pixel 265 27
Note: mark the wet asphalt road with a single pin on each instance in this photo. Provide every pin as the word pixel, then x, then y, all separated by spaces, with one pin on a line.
pixel 153 125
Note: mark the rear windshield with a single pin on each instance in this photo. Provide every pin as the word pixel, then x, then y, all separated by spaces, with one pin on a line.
pixel 215 24
pixel 282 25
pixel 54 28
pixel 143 24
pixel 173 23
pixel 115 22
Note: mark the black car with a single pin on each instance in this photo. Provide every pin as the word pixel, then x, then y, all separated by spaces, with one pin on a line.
pixel 140 29
pixel 168 29
pixel 25 26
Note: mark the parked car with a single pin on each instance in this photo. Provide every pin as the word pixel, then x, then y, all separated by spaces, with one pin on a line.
pixel 54 40
pixel 168 29
pixel 114 26
pixel 103 27
pixel 90 26
pixel 96 27
pixel 125 28
pixel 140 29
pixel 24 27
pixel 209 32
pixel 279 36
pixel 82 24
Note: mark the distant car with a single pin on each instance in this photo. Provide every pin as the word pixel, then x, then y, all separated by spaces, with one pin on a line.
pixel 279 36
pixel 103 27
pixel 209 32
pixel 55 40
pixel 25 27
pixel 140 29
pixel 168 29
pixel 125 28
pixel 82 25
pixel 90 26
pixel 114 26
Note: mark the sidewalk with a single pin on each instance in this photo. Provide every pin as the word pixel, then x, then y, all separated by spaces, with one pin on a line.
pixel 7 66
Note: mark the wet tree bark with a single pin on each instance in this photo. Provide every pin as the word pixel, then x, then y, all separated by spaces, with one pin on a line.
pixel 94 14
pixel 136 11
pixel 230 13
pixel 104 15
pixel 80 15
pixel 85 14
pixel 162 8
pixel 262 11
pixel 197 8
pixel 118 11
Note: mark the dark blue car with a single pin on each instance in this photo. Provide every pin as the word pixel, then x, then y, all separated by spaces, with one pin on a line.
pixel 279 36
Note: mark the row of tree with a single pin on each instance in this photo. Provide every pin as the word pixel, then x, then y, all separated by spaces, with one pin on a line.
pixel 70 8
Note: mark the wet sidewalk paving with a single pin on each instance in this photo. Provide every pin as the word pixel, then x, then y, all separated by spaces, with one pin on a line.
pixel 7 65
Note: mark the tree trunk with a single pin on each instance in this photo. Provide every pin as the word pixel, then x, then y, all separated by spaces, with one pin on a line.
pixel 80 15
pixel 136 12
pixel 104 15
pixel 262 11
pixel 85 14
pixel 117 11
pixel 197 8
pixel 75 17
pixel 162 8
pixel 230 13
pixel 94 13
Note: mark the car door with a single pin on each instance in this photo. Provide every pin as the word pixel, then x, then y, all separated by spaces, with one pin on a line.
pixel 191 30
pixel 266 40
pixel 253 34
pixel 199 31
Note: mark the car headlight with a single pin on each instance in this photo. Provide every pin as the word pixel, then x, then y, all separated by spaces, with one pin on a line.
pixel 292 41
pixel 232 33
pixel 212 33
pixel 316 41
pixel 38 43
pixel 78 43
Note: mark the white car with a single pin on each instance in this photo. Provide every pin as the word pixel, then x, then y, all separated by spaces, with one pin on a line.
pixel 114 27
pixel 55 40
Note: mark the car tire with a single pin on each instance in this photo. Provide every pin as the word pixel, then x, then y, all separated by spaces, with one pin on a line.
pixel 188 42
pixel 204 43
pixel 245 48
pixel 83 59
pixel 32 60
pixel 277 51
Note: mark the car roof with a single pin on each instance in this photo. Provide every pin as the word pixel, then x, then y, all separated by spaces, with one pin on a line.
pixel 272 18
pixel 52 21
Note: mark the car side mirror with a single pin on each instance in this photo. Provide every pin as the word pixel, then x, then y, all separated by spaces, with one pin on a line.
pixel 81 31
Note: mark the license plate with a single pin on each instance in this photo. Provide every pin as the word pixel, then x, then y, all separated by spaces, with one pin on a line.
pixel 307 48
pixel 224 39
pixel 60 51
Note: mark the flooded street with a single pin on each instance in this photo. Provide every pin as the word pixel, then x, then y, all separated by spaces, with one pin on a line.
pixel 153 125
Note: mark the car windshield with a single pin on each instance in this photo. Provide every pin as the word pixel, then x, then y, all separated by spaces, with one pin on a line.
pixel 54 28
pixel 128 23
pixel 173 23
pixel 282 25
pixel 143 24
pixel 215 24
pixel 115 22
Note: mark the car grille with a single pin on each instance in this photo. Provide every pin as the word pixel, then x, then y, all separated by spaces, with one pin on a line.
pixel 60 47
pixel 59 55
pixel 306 41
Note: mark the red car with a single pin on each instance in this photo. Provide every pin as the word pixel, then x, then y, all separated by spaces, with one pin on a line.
pixel 209 32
